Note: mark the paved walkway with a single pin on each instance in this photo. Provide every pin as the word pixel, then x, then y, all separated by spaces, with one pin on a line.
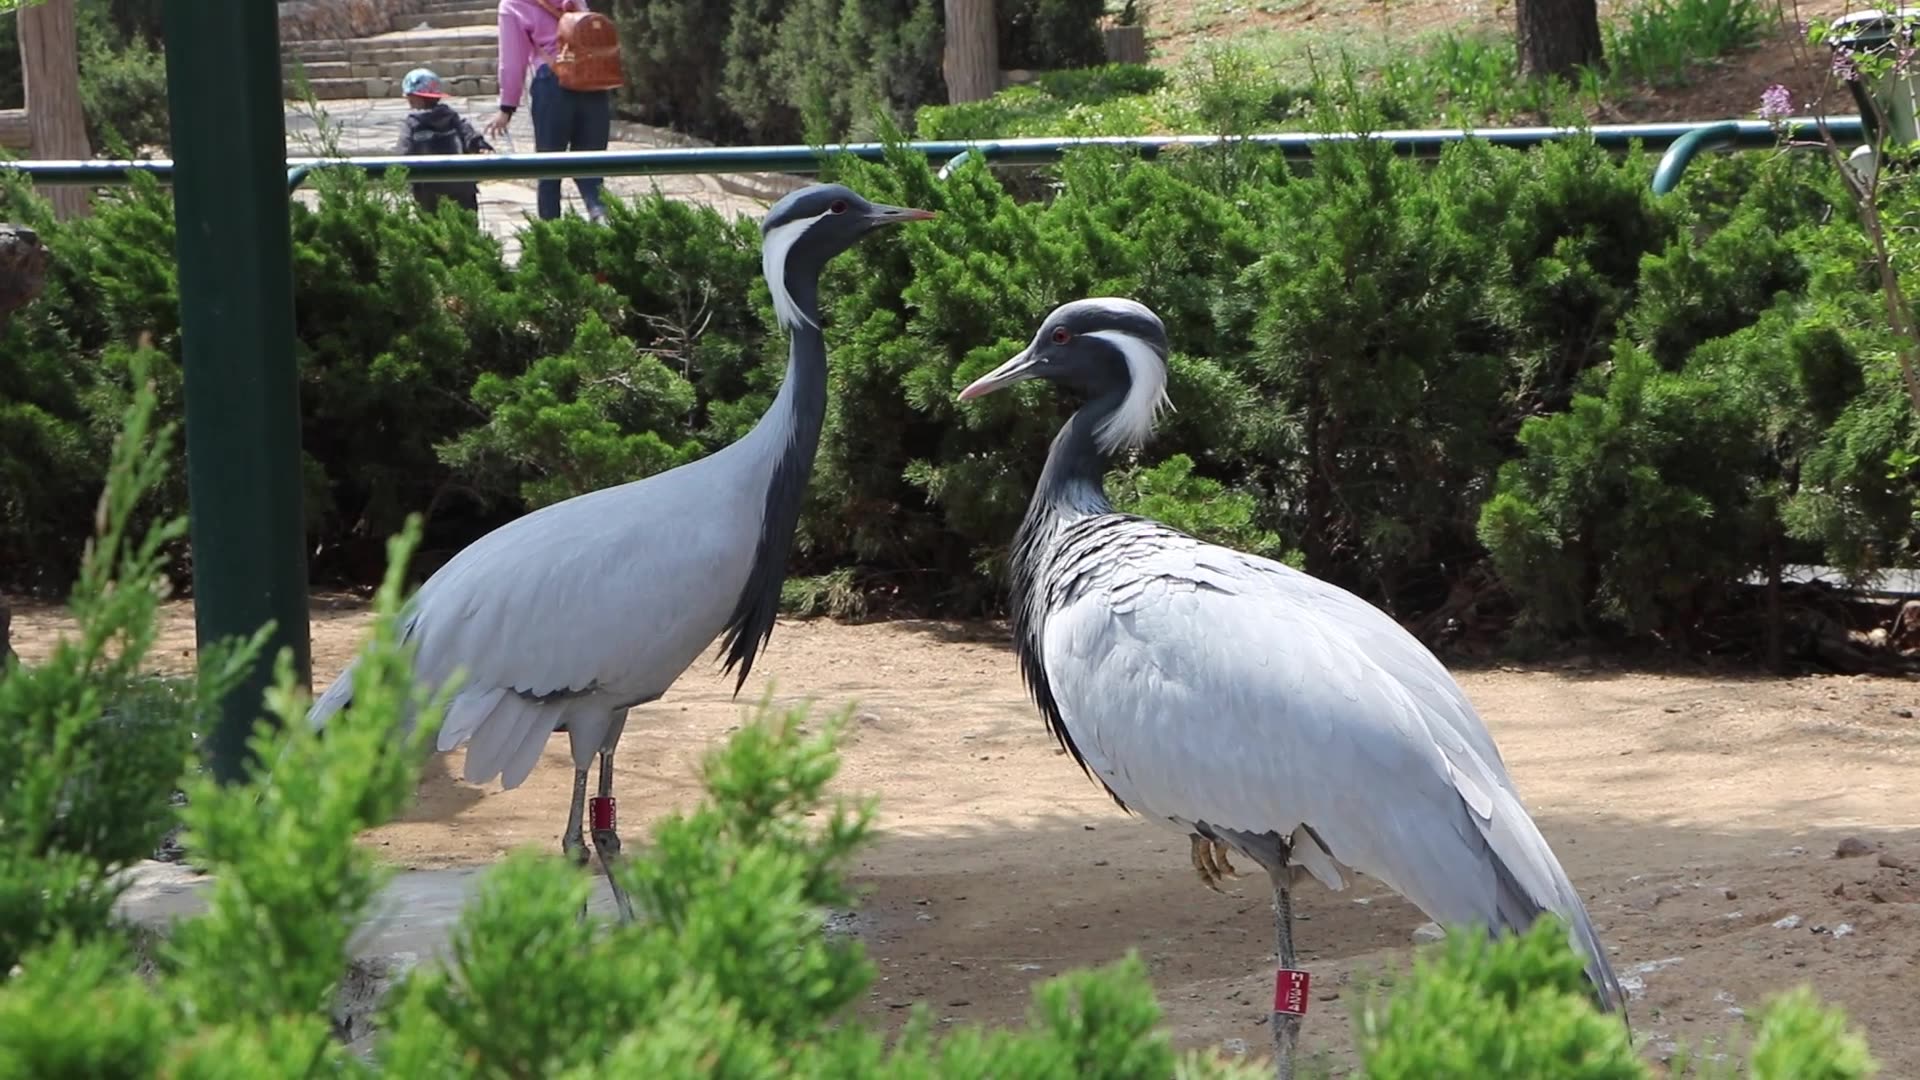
pixel 370 126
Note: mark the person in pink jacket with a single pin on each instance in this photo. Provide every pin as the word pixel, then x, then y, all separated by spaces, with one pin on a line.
pixel 562 119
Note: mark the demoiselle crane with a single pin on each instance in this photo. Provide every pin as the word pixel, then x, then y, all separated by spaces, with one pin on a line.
pixel 570 616
pixel 1244 703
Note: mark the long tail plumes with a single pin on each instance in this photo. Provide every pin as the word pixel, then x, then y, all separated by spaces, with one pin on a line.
pixel 1531 882
pixel 336 697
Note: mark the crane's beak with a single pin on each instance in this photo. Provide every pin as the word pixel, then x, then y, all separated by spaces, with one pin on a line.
pixel 1015 370
pixel 882 214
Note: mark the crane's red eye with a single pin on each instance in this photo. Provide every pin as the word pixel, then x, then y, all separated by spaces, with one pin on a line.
pixel 1060 336
pixel 839 206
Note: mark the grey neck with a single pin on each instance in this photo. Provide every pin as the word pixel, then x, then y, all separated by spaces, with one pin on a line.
pixel 797 412
pixel 1072 483
pixel 1070 487
pixel 1069 490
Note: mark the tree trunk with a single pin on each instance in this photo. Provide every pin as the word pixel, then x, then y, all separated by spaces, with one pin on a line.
pixel 973 51
pixel 1126 44
pixel 1557 37
pixel 1776 617
pixel 50 59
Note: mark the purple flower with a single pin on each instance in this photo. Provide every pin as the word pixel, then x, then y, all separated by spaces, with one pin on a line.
pixel 1844 68
pixel 1776 103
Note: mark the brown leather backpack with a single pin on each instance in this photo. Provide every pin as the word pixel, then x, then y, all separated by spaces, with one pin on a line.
pixel 589 51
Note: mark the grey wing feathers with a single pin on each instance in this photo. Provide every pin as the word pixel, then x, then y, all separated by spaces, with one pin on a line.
pixel 575 612
pixel 1213 686
pixel 517 612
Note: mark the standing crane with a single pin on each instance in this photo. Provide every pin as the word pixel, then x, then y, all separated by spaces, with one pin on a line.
pixel 1244 703
pixel 567 618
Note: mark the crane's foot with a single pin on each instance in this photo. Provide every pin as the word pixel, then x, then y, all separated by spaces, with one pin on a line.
pixel 606 845
pixel 1210 862
pixel 1220 864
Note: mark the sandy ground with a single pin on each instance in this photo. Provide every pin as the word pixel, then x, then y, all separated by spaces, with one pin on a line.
pixel 1699 814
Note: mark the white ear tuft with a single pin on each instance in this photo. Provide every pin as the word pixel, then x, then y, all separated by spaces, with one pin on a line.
pixel 774 247
pixel 1132 423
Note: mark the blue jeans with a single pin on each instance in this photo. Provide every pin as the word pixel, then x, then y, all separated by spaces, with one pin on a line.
pixel 568 120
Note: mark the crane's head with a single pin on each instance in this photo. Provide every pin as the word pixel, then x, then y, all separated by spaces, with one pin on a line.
pixel 810 226
pixel 1106 350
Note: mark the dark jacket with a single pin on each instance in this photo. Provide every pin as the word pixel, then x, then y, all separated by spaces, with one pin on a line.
pixel 439 132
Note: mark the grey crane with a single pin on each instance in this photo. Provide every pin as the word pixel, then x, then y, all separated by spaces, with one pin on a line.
pixel 567 618
pixel 1244 703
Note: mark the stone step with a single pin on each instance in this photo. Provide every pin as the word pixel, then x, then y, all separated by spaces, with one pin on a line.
pixel 383 86
pixel 412 922
pixel 311 52
pixel 393 67
pixel 438 20
pixel 319 69
pixel 446 40
pixel 478 9
pixel 406 57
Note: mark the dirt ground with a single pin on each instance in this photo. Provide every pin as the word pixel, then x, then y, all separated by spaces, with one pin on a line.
pixel 1700 814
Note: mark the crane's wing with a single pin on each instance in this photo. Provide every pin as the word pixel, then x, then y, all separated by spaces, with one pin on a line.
pixel 1212 686
pixel 565 614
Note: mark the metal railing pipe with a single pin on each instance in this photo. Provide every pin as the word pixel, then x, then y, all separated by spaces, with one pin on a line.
pixel 1681 141
pixel 1666 175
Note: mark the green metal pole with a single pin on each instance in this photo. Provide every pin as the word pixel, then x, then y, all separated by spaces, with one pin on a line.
pixel 236 323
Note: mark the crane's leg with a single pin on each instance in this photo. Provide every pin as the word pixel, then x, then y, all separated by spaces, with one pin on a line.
pixel 606 841
pixel 573 842
pixel 1286 1023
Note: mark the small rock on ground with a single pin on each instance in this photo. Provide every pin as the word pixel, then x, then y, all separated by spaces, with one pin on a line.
pixel 1853 847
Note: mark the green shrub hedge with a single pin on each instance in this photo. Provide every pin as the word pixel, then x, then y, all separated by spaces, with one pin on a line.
pixel 1401 374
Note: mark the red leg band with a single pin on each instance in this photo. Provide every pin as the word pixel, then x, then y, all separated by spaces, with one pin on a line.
pixel 600 807
pixel 1290 992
